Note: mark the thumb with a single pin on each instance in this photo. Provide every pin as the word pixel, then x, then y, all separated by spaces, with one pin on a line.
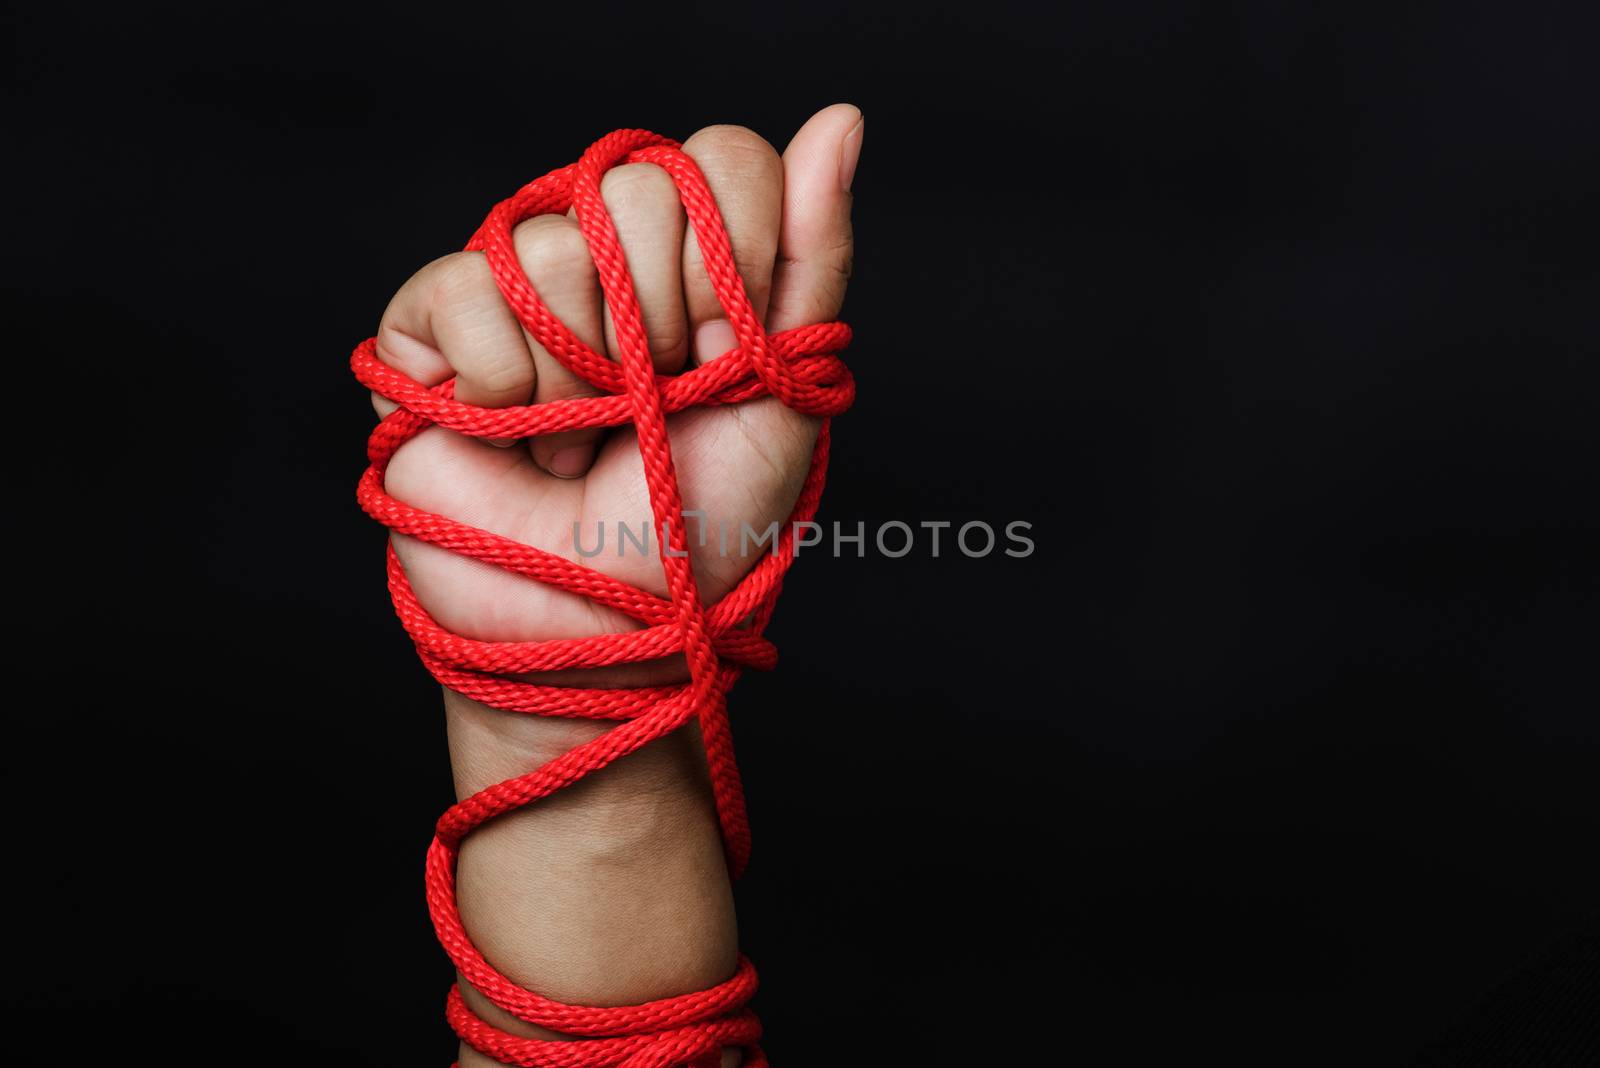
pixel 749 461
pixel 815 242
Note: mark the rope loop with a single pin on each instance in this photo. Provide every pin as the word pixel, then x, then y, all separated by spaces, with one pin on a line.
pixel 801 368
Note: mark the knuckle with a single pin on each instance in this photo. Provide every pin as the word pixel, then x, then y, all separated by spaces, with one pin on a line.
pixel 562 385
pixel 669 339
pixel 550 244
pixel 734 150
pixel 460 279
pixel 637 185
pixel 506 375
pixel 465 296
pixel 752 260
pixel 754 265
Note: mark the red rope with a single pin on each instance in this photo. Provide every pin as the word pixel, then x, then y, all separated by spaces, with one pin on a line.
pixel 799 367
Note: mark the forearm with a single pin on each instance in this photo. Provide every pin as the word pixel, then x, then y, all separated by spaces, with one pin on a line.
pixel 613 891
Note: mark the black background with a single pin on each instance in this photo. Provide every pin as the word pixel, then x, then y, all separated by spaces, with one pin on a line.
pixel 1278 325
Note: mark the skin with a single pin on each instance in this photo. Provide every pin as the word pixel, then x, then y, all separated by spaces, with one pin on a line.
pixel 613 891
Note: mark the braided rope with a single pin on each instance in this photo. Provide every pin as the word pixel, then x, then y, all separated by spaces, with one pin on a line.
pixel 799 367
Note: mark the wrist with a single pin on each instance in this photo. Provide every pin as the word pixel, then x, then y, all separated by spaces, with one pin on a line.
pixel 644 802
pixel 613 891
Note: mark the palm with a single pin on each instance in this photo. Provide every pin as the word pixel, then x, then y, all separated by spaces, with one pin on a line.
pixel 738 464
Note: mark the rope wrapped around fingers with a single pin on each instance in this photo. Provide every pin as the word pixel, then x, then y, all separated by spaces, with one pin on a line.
pixel 802 369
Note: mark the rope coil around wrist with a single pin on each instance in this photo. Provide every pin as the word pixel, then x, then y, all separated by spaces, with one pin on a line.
pixel 802 369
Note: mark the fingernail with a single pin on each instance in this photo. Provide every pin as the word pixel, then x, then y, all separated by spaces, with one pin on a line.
pixel 850 152
pixel 501 443
pixel 572 461
pixel 712 339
